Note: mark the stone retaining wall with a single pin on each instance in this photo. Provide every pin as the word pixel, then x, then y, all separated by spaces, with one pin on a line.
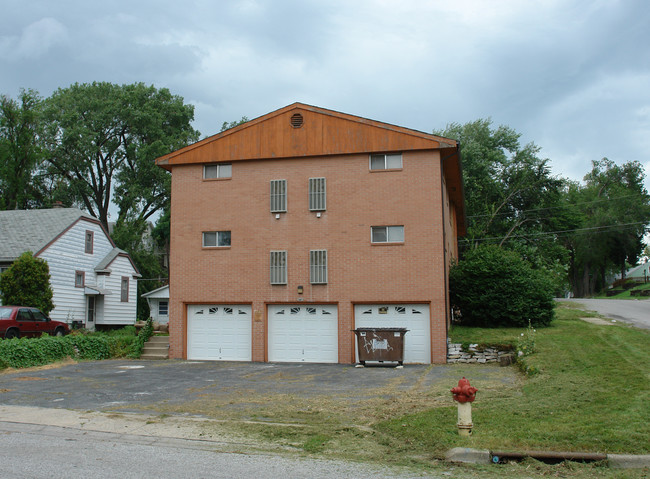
pixel 455 354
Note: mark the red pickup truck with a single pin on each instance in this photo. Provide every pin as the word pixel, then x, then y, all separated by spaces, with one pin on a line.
pixel 17 321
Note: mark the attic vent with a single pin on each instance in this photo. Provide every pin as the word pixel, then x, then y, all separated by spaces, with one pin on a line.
pixel 297 120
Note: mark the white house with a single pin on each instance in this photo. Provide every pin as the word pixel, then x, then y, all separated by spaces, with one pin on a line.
pixel 94 282
pixel 158 300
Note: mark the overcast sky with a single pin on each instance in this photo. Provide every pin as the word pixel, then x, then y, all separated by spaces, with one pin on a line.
pixel 573 76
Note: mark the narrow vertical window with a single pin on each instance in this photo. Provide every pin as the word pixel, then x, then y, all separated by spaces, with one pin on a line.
pixel 89 242
pixel 79 279
pixel 317 194
pixel 278 196
pixel 318 266
pixel 278 267
pixel 124 291
pixel 163 308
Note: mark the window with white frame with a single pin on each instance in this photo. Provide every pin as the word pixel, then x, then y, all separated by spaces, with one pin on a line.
pixel 278 196
pixel 215 239
pixel 217 170
pixel 318 266
pixel 387 234
pixel 317 194
pixel 124 290
pixel 89 242
pixel 278 267
pixel 79 279
pixel 163 308
pixel 386 161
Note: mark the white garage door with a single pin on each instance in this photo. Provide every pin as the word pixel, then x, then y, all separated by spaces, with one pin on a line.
pixel 299 333
pixel 218 331
pixel 414 317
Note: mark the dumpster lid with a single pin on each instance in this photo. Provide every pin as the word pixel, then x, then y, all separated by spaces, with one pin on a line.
pixel 381 329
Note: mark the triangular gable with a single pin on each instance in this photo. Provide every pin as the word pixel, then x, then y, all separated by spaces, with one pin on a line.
pixel 300 130
pixel 104 265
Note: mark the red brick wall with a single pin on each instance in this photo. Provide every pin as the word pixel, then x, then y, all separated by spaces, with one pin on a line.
pixel 357 271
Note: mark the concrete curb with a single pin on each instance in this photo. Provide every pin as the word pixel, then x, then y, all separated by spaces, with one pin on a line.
pixel 628 461
pixel 483 456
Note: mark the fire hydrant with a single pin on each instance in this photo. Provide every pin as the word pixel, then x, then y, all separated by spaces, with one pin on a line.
pixel 465 395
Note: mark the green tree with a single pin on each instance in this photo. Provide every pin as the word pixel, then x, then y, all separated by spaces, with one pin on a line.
pixel 134 237
pixel 614 209
pixel 494 287
pixel 511 197
pixel 27 283
pixel 20 151
pixel 102 139
pixel 228 125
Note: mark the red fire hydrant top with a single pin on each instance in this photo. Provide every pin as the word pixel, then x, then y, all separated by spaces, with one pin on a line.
pixel 464 392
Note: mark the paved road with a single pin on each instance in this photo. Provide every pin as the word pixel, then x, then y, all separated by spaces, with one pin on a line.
pixel 47 452
pixel 634 312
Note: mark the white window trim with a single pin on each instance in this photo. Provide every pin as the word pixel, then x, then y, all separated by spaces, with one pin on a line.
pixel 318 266
pixel 388 234
pixel 227 173
pixel 278 267
pixel 160 303
pixel 219 237
pixel 89 239
pixel 386 157
pixel 124 292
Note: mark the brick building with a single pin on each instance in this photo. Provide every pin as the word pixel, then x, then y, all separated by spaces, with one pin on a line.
pixel 294 228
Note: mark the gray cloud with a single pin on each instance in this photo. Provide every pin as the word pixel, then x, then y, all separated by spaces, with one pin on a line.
pixel 573 76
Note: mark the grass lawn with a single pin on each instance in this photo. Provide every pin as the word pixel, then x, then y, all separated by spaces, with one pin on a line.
pixel 591 395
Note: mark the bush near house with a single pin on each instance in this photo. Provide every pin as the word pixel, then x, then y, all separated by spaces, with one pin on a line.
pixel 27 283
pixel 82 345
pixel 494 287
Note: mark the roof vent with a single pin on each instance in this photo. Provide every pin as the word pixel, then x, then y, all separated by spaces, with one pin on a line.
pixel 297 120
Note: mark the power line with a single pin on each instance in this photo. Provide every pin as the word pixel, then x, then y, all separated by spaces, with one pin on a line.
pixel 554 207
pixel 554 233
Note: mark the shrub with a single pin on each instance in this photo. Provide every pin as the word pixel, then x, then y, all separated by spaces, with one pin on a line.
pixel 27 283
pixel 143 337
pixel 24 353
pixel 29 352
pixel 494 287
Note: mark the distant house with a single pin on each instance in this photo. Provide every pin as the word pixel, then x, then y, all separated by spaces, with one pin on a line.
pixel 158 300
pixel 293 229
pixel 94 282
pixel 637 274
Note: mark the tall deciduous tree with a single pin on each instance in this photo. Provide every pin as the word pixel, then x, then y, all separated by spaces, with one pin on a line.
pixel 20 151
pixel 614 209
pixel 102 139
pixel 512 199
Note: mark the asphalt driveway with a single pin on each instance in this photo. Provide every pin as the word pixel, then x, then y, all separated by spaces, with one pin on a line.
pixel 131 386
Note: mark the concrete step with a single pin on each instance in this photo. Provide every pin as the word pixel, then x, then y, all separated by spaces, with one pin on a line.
pixel 156 348
pixel 154 356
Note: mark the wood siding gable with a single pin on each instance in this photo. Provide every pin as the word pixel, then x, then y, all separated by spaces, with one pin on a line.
pixel 321 133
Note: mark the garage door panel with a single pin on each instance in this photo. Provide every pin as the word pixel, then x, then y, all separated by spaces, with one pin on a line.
pixel 299 333
pixel 219 332
pixel 414 317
